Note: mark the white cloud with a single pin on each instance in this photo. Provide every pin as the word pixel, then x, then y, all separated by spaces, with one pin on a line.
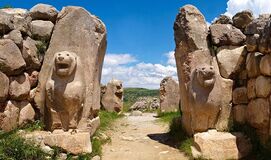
pixel 171 58
pixel 256 6
pixel 141 74
pixel 118 59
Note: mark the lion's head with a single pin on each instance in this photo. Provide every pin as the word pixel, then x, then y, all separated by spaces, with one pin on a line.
pixel 205 75
pixel 65 63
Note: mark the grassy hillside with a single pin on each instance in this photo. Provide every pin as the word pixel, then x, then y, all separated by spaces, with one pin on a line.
pixel 132 94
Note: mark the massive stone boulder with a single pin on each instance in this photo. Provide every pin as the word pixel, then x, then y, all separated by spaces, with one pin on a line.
pixel 230 60
pixel 226 34
pixel 19 87
pixel 44 12
pixel 42 29
pixel 220 145
pixel 30 54
pixel 4 87
pixel 112 99
pixel 77 35
pixel 205 96
pixel 169 95
pixel 11 60
pixel 242 19
pixel 15 36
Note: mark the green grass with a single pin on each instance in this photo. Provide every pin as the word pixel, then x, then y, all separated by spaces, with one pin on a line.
pixel 42 47
pixel 168 117
pixel 132 94
pixel 107 119
pixel 176 132
pixel 14 147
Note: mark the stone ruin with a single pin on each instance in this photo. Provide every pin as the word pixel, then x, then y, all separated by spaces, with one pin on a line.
pixel 169 95
pixel 224 75
pixel 145 104
pixel 112 96
pixel 50 69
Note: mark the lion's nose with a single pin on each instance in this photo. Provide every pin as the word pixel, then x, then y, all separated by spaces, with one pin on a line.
pixel 60 58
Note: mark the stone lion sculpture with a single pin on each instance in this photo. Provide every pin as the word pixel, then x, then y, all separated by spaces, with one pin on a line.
pixel 65 92
pixel 205 105
pixel 112 99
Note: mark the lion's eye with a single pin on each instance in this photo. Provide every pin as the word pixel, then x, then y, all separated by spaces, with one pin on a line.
pixel 203 68
pixel 68 55
pixel 59 54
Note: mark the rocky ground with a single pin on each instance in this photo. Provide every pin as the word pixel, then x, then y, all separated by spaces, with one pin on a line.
pixel 140 138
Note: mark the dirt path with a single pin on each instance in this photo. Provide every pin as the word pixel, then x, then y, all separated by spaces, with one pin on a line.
pixel 140 138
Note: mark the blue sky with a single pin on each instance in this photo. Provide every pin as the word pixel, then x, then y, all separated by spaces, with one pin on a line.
pixel 140 34
pixel 139 27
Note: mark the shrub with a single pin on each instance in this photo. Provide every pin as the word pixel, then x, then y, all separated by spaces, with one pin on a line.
pixel 14 147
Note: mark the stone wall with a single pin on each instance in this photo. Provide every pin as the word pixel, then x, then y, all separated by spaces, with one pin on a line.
pixel 24 39
pixel 240 47
pixel 44 56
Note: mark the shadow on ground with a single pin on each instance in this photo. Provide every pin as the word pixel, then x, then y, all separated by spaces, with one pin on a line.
pixel 163 138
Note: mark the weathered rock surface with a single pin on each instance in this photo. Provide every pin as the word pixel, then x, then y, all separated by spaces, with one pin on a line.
pixel 27 113
pixel 42 29
pixel 263 86
pixel 199 78
pixel 4 87
pixel 230 60
pixel 33 78
pixel 252 42
pixel 223 19
pixel 11 60
pixel 258 113
pixel 265 65
pixel 239 95
pixel 93 125
pixel 9 118
pixel 155 104
pixel 30 54
pixel 221 145
pixel 112 99
pixel 145 103
pixel 5 23
pixel 19 87
pixel 15 36
pixel 257 25
pixel 253 64
pixel 264 41
pixel 85 37
pixel 239 113
pixel 44 12
pixel 194 37
pixel 226 34
pixel 72 142
pixel 242 19
pixel 251 88
pixel 75 143
pixel 169 95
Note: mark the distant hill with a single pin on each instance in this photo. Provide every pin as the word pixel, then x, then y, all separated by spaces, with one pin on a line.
pixel 132 94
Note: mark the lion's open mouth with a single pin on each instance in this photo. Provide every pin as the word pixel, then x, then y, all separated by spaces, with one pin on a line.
pixel 63 66
pixel 208 82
